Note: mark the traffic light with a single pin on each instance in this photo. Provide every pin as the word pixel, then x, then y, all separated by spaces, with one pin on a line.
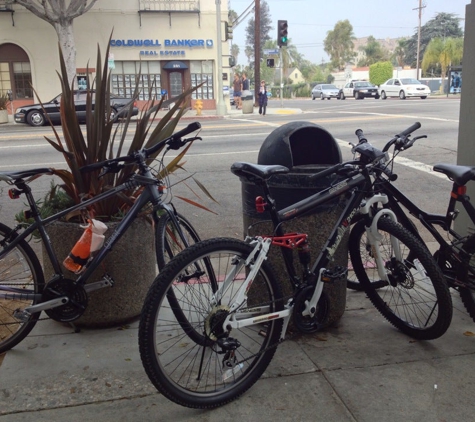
pixel 228 31
pixel 270 62
pixel 232 61
pixel 282 33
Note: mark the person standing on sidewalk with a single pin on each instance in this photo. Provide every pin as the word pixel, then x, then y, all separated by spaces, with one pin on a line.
pixel 263 98
pixel 237 88
pixel 245 82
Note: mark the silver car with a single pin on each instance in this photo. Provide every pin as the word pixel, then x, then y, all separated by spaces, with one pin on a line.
pixel 323 91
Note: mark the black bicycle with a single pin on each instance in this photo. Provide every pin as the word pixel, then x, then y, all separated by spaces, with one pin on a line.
pixel 455 254
pixel 24 293
pixel 235 312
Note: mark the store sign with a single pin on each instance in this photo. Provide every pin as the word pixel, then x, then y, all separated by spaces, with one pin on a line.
pixel 164 48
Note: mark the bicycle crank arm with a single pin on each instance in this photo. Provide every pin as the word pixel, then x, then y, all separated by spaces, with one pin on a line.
pixel 105 282
pixel 50 304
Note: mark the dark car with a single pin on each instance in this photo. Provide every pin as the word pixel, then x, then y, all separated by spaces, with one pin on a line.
pixel 34 114
pixel 359 90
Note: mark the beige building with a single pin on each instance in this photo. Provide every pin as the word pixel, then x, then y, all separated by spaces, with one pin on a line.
pixel 172 43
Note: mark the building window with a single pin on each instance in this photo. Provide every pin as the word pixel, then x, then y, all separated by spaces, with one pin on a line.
pixel 21 83
pixel 202 72
pixel 22 80
pixel 146 75
pixel 5 83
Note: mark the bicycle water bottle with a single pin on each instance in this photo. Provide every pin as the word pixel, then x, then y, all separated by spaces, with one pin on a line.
pixel 90 241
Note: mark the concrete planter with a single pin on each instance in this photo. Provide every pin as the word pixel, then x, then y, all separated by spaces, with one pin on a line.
pixel 132 265
pixel 3 116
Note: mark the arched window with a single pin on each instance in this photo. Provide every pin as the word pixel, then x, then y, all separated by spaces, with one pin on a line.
pixel 15 71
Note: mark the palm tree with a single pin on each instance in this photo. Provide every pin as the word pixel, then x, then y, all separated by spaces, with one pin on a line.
pixel 443 52
pixel 399 53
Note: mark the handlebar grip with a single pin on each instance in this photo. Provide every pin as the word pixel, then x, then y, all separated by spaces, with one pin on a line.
pixel 410 129
pixel 360 135
pixel 192 127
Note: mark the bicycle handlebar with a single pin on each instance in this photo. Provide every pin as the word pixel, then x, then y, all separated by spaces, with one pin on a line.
pixel 360 135
pixel 173 142
pixel 409 130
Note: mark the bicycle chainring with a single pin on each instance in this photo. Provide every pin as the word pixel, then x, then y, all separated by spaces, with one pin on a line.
pixel 76 294
pixel 309 324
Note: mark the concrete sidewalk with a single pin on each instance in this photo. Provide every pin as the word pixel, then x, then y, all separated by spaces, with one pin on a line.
pixel 361 370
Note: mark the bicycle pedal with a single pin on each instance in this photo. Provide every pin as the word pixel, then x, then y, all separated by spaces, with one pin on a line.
pixel 336 274
pixel 21 315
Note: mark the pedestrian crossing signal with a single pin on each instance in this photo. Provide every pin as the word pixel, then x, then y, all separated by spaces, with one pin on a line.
pixel 270 62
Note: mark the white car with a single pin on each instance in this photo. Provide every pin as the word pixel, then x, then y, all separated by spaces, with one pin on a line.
pixel 403 88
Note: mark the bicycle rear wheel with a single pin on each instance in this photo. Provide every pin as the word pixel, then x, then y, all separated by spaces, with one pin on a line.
pixel 221 364
pixel 466 274
pixel 19 269
pixel 416 299
pixel 167 240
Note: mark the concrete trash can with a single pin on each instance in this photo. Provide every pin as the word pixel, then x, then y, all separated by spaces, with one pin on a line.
pixel 247 102
pixel 305 148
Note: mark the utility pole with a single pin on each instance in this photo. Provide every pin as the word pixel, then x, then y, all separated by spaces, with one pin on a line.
pixel 257 50
pixel 418 38
pixel 220 104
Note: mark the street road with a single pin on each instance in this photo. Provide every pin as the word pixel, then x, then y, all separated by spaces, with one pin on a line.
pixel 239 138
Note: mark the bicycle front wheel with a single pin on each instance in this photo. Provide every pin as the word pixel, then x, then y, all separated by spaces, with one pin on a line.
pixel 416 298
pixel 222 363
pixel 19 269
pixel 168 241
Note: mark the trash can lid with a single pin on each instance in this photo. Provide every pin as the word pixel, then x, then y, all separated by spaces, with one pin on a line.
pixel 299 143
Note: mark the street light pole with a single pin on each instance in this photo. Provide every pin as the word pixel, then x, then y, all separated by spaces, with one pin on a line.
pixel 220 104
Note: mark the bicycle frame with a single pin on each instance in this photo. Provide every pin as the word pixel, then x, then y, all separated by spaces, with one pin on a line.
pixel 356 188
pixel 428 220
pixel 150 194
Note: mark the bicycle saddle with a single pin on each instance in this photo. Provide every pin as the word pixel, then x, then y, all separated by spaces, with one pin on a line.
pixel 459 174
pixel 7 176
pixel 251 171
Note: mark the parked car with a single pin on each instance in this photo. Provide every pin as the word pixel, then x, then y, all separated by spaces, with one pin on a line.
pixel 34 114
pixel 359 90
pixel 323 91
pixel 403 88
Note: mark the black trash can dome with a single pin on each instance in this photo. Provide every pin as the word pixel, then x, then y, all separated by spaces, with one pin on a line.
pixel 305 148
pixel 299 144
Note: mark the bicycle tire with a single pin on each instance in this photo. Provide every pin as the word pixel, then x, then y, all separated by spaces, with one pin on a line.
pixel 20 268
pixel 466 273
pixel 416 300
pixel 172 361
pixel 167 245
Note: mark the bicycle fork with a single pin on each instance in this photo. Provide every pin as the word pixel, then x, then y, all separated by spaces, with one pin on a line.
pixel 374 237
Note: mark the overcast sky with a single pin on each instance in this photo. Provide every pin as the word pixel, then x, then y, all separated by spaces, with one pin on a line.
pixel 310 20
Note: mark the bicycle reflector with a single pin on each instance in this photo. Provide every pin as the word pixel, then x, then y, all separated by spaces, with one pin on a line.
pixel 14 193
pixel 260 204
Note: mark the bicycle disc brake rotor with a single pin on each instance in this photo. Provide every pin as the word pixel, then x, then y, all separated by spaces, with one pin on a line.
pixel 77 300
pixel 399 274
pixel 310 324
